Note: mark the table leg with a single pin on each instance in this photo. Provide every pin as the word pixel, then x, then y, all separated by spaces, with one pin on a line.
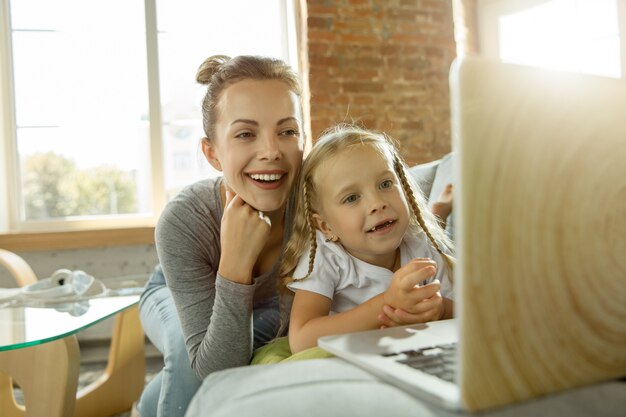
pixel 123 380
pixel 48 376
pixel 8 406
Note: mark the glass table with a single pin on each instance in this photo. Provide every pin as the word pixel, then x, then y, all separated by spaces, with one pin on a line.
pixel 39 349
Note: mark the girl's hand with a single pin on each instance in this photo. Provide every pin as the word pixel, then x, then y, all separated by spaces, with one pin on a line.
pixel 243 236
pixel 405 293
pixel 432 310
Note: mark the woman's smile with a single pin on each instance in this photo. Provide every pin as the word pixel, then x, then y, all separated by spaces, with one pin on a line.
pixel 268 180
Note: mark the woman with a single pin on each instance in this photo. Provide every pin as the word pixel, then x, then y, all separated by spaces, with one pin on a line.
pixel 219 239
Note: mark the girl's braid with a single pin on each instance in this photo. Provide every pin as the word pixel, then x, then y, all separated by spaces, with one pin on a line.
pixel 408 190
pixel 311 227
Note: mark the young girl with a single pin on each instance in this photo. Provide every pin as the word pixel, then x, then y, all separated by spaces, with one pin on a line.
pixel 363 242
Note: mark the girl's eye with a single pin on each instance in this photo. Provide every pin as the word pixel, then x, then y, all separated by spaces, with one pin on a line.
pixel 350 199
pixel 386 184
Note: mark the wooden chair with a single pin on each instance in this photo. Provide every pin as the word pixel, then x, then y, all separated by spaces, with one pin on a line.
pixel 114 392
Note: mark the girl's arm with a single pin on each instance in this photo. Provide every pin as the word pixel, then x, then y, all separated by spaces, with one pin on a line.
pixel 448 309
pixel 309 312
pixel 310 320
pixel 396 316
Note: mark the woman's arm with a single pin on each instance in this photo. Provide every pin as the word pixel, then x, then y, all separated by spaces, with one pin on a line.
pixel 215 313
pixel 442 207
pixel 242 237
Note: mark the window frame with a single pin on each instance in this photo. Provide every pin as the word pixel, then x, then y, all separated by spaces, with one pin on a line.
pixel 11 226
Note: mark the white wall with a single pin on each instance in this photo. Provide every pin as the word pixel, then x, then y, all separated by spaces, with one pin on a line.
pixel 116 264
pixel 102 263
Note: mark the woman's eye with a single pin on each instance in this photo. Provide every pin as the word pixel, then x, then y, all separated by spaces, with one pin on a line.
pixel 350 199
pixel 289 132
pixel 386 184
pixel 244 135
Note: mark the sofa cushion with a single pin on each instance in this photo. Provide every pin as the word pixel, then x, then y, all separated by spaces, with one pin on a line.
pixel 424 175
pixel 443 176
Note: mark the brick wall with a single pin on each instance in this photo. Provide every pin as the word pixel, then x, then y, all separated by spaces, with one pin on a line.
pixel 384 64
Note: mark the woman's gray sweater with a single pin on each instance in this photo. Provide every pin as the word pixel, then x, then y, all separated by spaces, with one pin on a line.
pixel 215 314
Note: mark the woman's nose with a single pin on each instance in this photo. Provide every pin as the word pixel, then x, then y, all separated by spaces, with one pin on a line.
pixel 269 148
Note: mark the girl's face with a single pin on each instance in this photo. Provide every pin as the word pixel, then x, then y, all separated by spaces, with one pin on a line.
pixel 362 204
pixel 258 141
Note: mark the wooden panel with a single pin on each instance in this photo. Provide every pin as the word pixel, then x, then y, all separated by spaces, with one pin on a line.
pixel 19 242
pixel 542 249
pixel 46 393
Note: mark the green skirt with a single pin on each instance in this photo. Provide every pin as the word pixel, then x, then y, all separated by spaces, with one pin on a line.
pixel 278 351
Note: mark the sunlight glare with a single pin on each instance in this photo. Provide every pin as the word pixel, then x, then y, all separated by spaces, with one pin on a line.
pixel 570 35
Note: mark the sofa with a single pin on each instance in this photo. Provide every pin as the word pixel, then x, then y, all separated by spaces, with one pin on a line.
pixel 333 387
pixel 432 177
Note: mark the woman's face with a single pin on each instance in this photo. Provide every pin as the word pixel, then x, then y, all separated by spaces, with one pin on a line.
pixel 258 141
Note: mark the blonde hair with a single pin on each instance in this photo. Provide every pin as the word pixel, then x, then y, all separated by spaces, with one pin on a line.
pixel 220 71
pixel 332 141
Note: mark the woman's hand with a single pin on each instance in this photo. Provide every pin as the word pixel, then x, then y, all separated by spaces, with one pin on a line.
pixel 406 302
pixel 243 236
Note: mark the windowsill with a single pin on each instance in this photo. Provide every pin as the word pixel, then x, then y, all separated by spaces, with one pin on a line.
pixel 41 241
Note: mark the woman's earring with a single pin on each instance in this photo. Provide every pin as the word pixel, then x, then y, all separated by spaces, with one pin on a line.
pixel 330 239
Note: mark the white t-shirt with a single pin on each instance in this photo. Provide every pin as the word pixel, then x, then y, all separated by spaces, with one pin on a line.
pixel 349 281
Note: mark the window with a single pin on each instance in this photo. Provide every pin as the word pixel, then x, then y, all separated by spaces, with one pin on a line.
pixel 572 35
pixel 100 115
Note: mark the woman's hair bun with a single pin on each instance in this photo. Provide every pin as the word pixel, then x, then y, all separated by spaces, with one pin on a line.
pixel 209 67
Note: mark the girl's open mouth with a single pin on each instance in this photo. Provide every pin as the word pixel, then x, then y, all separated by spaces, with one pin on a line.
pixel 382 226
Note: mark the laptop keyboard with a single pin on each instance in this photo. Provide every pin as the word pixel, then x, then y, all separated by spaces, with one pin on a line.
pixel 439 360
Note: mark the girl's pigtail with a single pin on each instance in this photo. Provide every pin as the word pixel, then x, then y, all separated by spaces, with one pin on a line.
pixel 309 218
pixel 303 231
pixel 417 212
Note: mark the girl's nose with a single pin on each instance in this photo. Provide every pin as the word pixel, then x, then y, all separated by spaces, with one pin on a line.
pixel 377 204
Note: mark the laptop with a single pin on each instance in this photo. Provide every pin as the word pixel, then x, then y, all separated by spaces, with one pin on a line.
pixel 540 214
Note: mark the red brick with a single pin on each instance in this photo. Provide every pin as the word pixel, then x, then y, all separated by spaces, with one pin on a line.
pixel 327 61
pixel 364 12
pixel 317 10
pixel 320 36
pixel 396 14
pixel 363 99
pixel 320 22
pixel 365 74
pixel 384 64
pixel 410 39
pixel 363 87
pixel 359 39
